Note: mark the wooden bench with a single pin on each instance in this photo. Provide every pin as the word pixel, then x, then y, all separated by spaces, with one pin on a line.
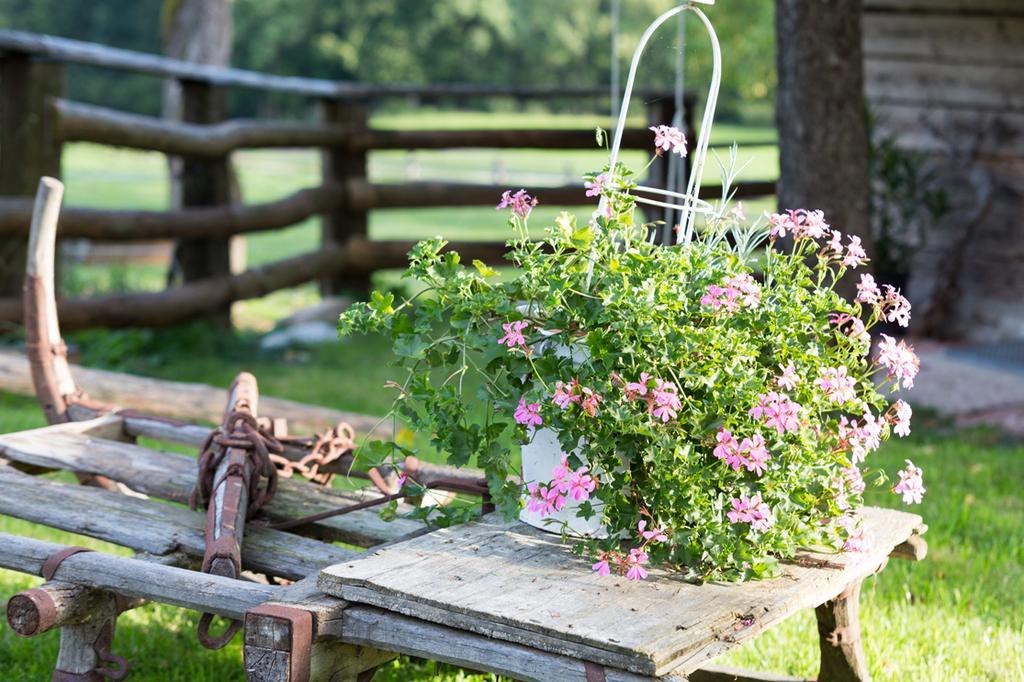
pixel 487 595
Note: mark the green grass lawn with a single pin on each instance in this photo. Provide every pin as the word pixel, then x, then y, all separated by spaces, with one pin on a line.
pixel 955 616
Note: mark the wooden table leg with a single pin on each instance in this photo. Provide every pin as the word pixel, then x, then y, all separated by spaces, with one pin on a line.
pixel 842 656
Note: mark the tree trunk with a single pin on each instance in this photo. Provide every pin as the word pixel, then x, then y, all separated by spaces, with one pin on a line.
pixel 196 31
pixel 823 139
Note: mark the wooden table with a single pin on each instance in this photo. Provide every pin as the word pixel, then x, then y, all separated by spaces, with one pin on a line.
pixel 492 583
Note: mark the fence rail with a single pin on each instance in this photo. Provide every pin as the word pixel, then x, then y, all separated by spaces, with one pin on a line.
pixel 36 120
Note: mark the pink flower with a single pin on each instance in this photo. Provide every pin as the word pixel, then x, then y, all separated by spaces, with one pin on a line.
pixel 562 397
pixel 854 479
pixel 554 498
pixel 656 534
pixel 903 413
pixel 837 385
pixel 560 474
pixel 910 485
pixel 852 327
pixel 788 379
pixel 728 449
pixel 601 567
pixel 590 401
pixel 867 290
pixel 635 388
pixel 813 224
pixel 899 360
pixel 856 537
pixel 754 453
pixel 595 187
pixel 528 414
pixel 539 500
pixel 637 558
pixel 834 248
pixel 778 411
pixel 802 223
pixel 581 484
pixel 855 253
pixel 665 404
pixel 735 292
pixel 860 438
pixel 521 203
pixel 713 297
pixel 514 334
pixel 751 510
pixel 895 307
pixel 668 138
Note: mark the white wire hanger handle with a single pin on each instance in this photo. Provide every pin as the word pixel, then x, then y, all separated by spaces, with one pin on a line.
pixel 690 202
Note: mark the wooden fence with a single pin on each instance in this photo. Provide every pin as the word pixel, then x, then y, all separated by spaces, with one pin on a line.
pixel 36 120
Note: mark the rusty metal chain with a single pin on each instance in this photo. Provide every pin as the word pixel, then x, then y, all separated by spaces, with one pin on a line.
pixel 245 433
pixel 324 449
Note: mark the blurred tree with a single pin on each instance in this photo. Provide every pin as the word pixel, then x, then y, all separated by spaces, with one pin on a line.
pixel 553 42
pixel 822 122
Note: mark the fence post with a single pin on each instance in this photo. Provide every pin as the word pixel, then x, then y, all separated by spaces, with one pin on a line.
pixel 204 182
pixel 29 147
pixel 339 166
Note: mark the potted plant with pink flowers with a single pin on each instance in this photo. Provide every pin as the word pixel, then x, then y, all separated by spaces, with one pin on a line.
pixel 713 404
pixel 710 405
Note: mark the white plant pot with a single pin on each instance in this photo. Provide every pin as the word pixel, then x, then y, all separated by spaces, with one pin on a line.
pixel 540 457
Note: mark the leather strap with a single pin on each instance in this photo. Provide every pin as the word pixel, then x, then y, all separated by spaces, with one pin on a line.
pixel 54 561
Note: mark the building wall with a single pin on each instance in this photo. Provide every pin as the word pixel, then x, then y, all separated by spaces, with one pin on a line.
pixel 947 77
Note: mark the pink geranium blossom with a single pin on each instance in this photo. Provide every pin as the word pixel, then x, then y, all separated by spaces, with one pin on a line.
pixel 668 138
pixel 837 385
pixel 777 411
pixel 514 334
pixel 899 360
pixel 910 485
pixel 637 559
pixel 563 396
pixel 521 203
pixel 751 510
pixel 803 224
pixel 854 479
pixel 635 388
pixel 855 253
pixel 580 485
pixel 595 187
pixel 860 438
pixel 665 402
pixel 902 413
pixel 728 449
pixel 856 536
pixel 867 290
pixel 528 414
pixel 895 307
pixel 735 292
pixel 754 453
pixel 789 378
pixel 655 534
pixel 601 566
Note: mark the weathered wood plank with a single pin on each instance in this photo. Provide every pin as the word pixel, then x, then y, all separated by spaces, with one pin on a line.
pixel 954 7
pixel 149 526
pixel 935 128
pixel 516 583
pixel 171 476
pixel 54 604
pixel 81 52
pixel 148 580
pixel 991 40
pixel 391 631
pixel 986 87
pixel 190 401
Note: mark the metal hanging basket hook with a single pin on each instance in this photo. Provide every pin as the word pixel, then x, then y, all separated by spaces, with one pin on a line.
pixel 688 203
